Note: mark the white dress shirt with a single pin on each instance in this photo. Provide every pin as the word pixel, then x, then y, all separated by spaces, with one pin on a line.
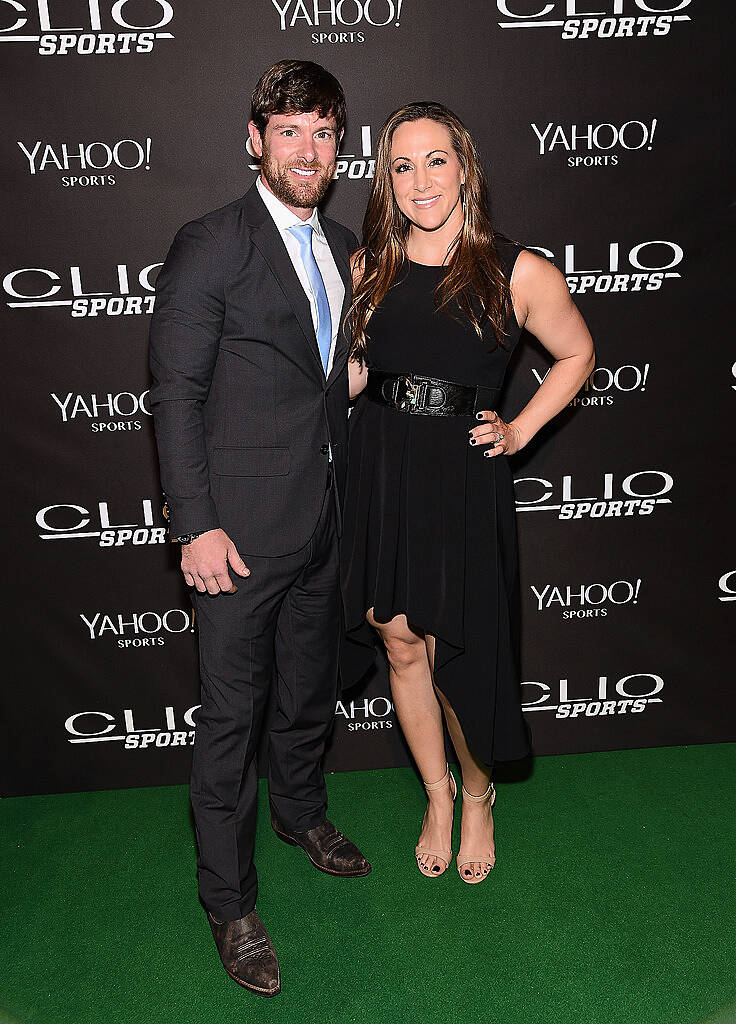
pixel 285 219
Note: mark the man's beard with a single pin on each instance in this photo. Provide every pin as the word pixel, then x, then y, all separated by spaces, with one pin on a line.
pixel 302 195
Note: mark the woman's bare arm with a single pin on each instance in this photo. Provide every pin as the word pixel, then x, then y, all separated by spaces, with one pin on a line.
pixel 544 307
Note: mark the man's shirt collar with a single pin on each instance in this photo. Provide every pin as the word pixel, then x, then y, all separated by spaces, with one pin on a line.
pixel 282 215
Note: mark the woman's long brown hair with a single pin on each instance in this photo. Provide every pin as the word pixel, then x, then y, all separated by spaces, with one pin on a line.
pixel 475 279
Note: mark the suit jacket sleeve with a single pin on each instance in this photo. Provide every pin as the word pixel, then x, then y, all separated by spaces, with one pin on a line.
pixel 184 342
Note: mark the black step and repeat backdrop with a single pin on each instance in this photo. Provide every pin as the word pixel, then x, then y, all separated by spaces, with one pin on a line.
pixel 602 124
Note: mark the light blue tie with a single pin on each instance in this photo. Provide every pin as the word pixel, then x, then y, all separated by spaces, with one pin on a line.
pixel 303 235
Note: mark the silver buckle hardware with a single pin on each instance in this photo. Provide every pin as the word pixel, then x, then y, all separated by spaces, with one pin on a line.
pixel 409 401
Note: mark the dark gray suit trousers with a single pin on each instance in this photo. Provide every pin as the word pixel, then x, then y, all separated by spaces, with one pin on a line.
pixel 274 643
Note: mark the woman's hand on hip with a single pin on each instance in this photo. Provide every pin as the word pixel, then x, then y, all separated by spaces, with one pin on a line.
pixel 501 437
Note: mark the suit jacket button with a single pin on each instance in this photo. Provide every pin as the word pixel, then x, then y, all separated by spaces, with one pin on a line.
pixel 325 449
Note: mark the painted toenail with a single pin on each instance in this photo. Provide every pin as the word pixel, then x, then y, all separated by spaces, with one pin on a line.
pixel 435 868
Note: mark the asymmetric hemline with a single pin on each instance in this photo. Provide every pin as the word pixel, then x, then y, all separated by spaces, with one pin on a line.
pixel 429 526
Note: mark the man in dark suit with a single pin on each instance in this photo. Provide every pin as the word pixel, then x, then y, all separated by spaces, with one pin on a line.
pixel 250 401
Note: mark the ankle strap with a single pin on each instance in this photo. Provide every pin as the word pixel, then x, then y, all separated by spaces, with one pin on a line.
pixel 479 799
pixel 431 787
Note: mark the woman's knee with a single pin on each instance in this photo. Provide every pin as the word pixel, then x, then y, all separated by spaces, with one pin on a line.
pixel 405 652
pixel 405 649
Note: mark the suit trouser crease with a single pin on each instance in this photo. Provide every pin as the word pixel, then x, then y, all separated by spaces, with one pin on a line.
pixel 268 663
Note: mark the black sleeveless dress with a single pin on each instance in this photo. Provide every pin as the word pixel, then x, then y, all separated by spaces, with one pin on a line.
pixel 429 526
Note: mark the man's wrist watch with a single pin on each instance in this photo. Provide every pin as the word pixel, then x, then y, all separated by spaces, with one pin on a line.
pixel 187 538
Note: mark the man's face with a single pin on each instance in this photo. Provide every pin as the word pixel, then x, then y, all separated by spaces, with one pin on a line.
pixel 298 155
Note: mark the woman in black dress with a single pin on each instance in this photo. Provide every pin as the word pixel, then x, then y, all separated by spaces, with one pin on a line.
pixel 429 556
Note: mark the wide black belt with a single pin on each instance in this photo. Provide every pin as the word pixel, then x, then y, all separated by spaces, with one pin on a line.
pixel 421 396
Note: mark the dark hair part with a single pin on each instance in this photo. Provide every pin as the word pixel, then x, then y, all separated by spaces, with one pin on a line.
pixel 475 279
pixel 297 87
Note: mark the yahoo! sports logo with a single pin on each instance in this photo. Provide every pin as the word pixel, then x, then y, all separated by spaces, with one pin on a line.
pixel 366 715
pixel 338 21
pixel 91 163
pixel 619 19
pixel 117 27
pixel 586 600
pixel 110 413
pixel 594 145
pixel 605 384
pixel 134 630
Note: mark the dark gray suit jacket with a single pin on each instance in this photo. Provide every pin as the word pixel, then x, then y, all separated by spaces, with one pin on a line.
pixel 242 411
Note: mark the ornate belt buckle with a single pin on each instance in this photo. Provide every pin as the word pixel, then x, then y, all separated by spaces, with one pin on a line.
pixel 409 401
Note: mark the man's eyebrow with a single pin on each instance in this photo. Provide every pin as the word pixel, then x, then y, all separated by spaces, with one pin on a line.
pixel 324 128
pixel 427 154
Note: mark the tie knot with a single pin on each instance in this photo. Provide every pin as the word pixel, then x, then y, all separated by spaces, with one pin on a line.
pixel 303 232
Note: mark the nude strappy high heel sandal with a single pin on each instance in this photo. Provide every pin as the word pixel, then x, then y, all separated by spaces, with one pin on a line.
pixel 423 851
pixel 490 793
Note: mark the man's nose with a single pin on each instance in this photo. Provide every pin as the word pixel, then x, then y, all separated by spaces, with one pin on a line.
pixel 306 149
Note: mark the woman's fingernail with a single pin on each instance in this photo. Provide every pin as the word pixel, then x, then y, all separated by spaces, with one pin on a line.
pixel 479 415
pixel 473 440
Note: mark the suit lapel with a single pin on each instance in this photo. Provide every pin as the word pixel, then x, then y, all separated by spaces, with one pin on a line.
pixel 339 252
pixel 268 240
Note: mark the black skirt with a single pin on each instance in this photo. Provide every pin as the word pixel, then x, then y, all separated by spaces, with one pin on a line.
pixel 429 527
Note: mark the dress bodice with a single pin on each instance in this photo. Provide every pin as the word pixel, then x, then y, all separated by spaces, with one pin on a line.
pixel 408 334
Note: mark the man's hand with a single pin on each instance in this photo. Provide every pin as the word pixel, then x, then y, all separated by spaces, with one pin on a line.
pixel 205 561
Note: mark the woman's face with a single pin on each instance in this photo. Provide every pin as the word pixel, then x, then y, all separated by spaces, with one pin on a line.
pixel 425 173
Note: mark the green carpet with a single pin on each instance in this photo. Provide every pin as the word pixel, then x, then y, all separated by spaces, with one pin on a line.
pixel 612 903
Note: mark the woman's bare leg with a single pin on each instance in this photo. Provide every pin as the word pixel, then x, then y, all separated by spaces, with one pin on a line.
pixel 477 820
pixel 420 718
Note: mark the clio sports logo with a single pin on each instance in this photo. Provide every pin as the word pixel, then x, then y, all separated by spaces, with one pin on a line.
pixel 644 266
pixel 631 694
pixel 76 522
pixel 609 497
pixel 727 586
pixel 125 727
pixel 85 293
pixel 619 19
pixel 89 27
